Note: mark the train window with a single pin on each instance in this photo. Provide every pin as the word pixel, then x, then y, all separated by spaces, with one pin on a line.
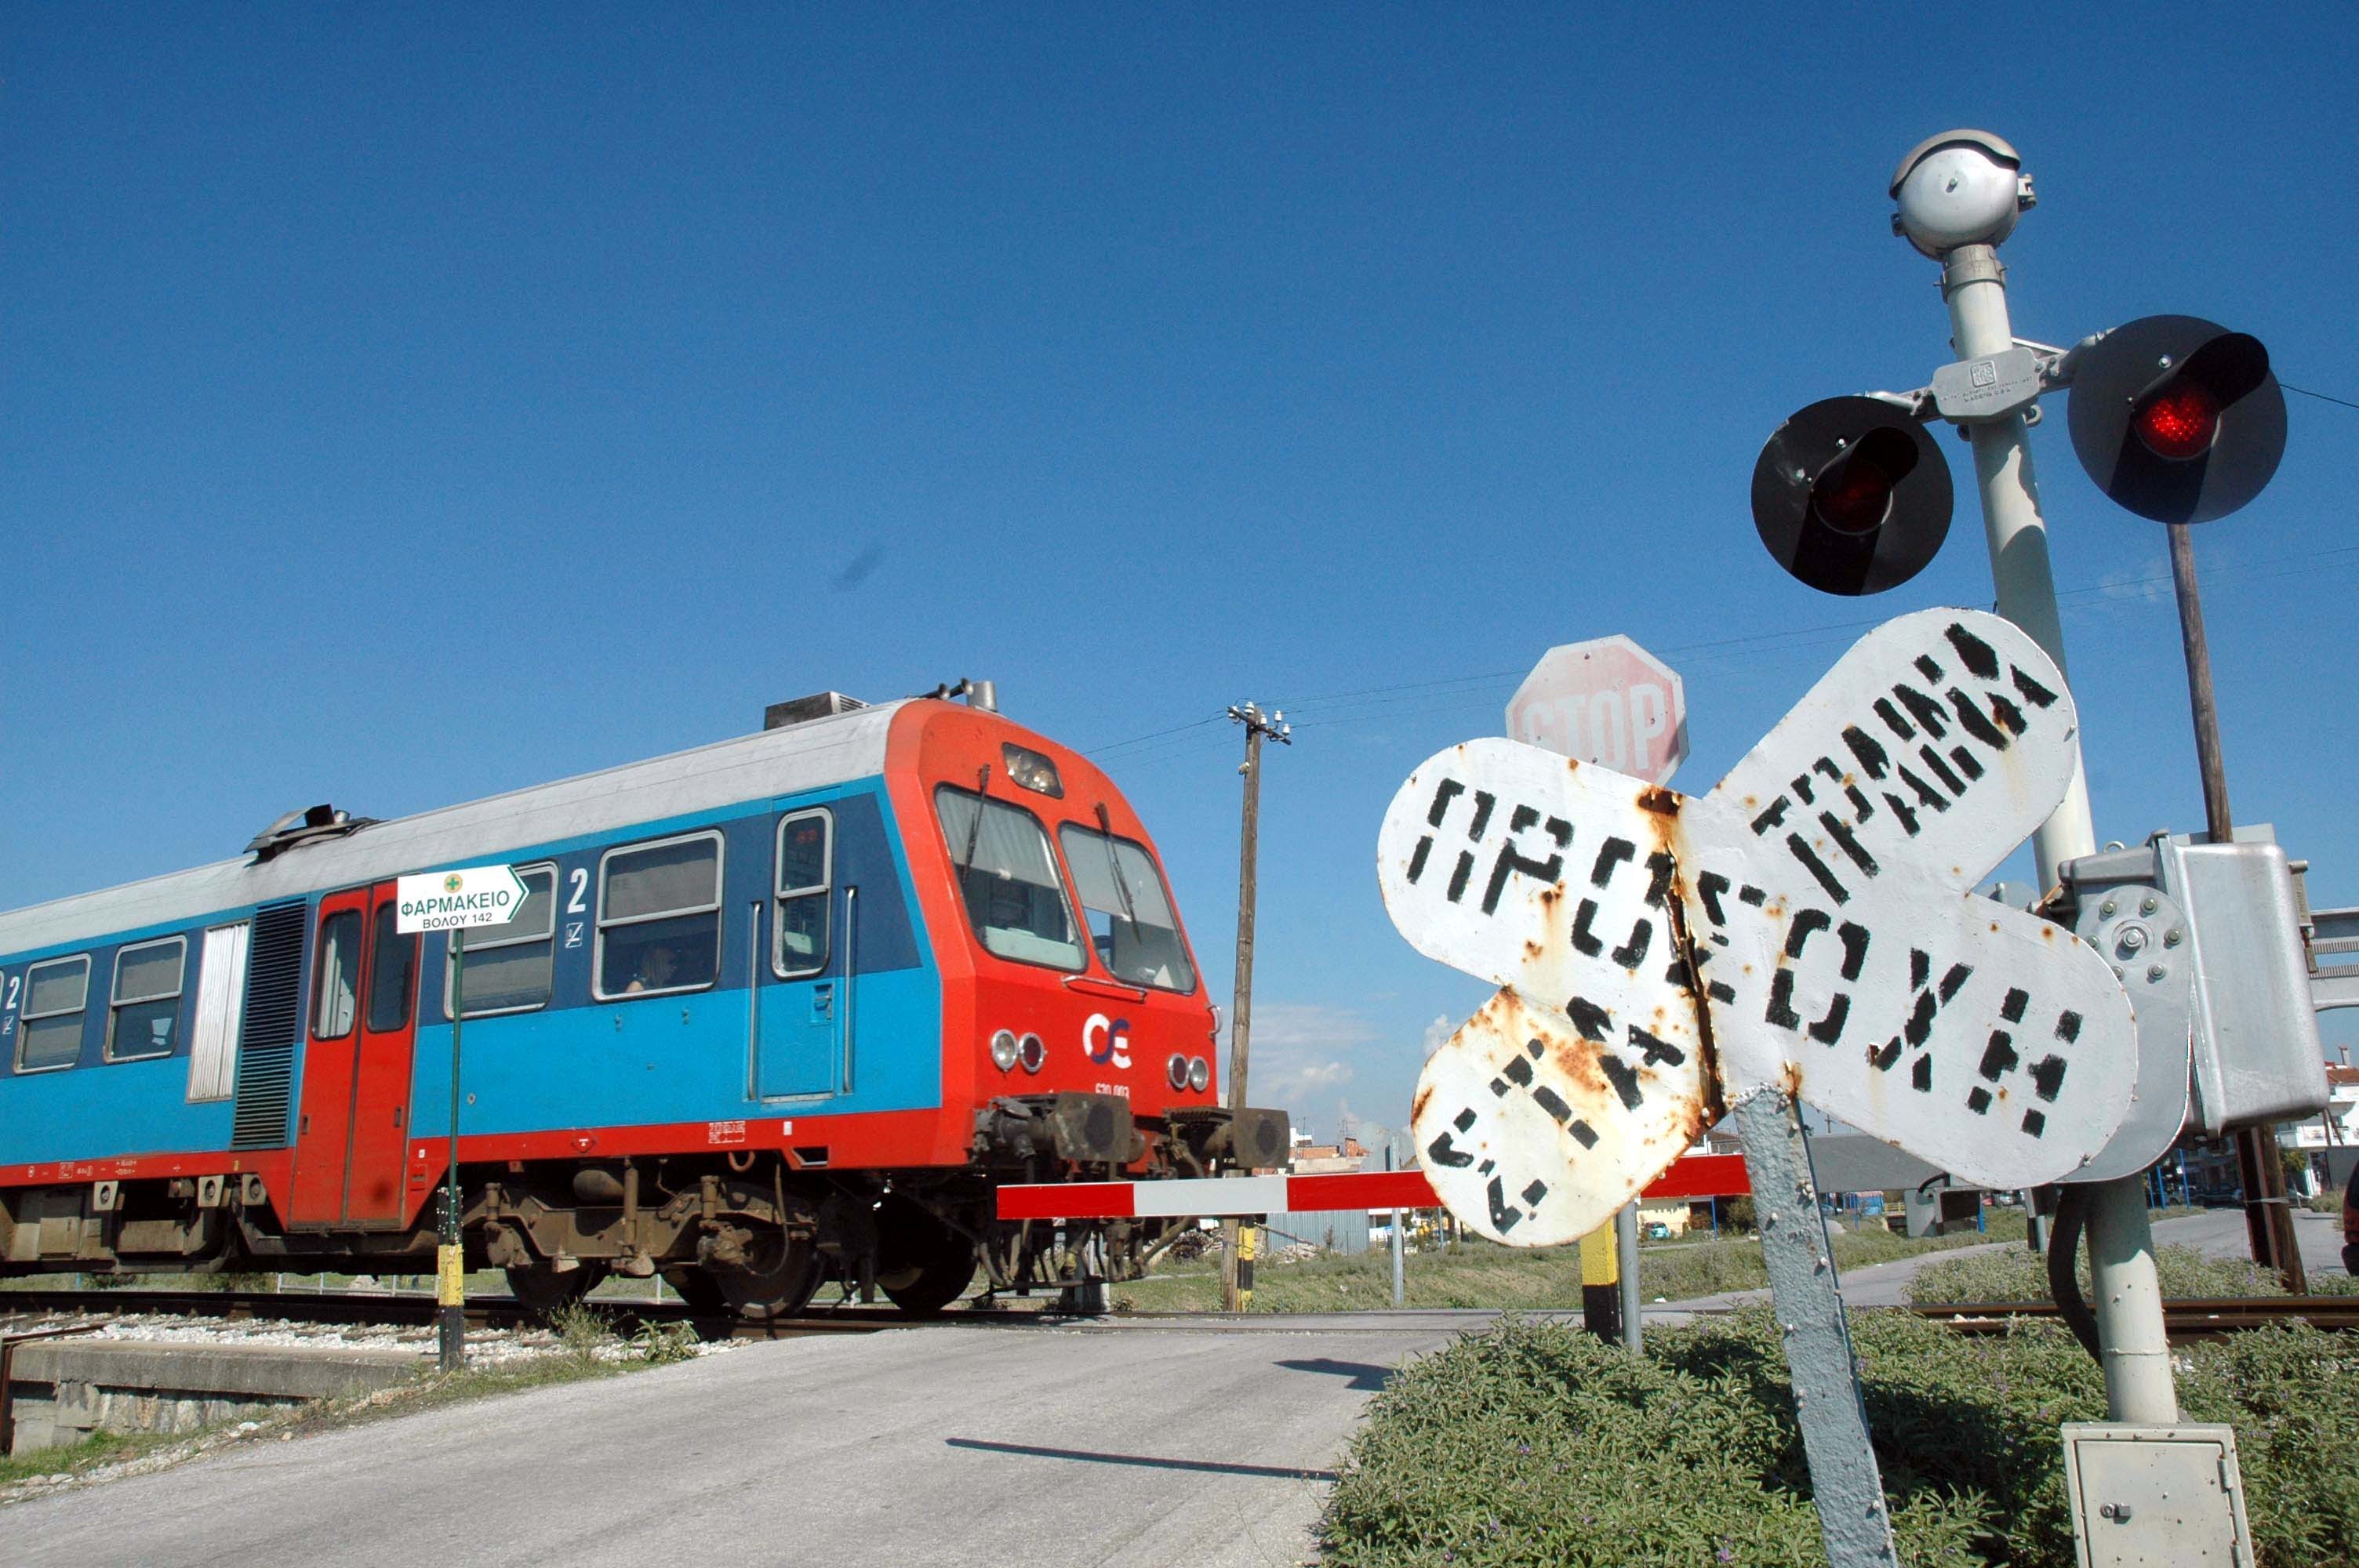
pixel 340 976
pixel 48 1031
pixel 1128 910
pixel 1008 879
pixel 659 917
pixel 509 966
pixel 393 972
pixel 805 857
pixel 146 1011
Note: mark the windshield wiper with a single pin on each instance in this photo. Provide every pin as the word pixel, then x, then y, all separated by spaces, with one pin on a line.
pixel 974 824
pixel 1120 888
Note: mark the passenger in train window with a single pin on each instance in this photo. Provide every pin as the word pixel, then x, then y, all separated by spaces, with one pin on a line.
pixel 656 969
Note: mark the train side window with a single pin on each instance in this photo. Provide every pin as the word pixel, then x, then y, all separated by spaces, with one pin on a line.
pixel 805 862
pixel 659 917
pixel 144 1017
pixel 1128 910
pixel 1008 879
pixel 509 966
pixel 48 1031
pixel 340 976
pixel 393 972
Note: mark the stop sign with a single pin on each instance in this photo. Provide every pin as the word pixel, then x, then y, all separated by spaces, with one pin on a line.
pixel 1607 701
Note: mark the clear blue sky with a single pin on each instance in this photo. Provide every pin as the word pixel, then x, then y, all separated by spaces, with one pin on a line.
pixel 398 405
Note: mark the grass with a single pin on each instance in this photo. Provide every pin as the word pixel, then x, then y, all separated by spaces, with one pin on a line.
pixel 1483 1274
pixel 1535 1444
pixel 2185 1274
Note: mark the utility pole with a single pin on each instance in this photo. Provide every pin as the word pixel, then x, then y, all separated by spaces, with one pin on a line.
pixel 1236 1290
pixel 2269 1222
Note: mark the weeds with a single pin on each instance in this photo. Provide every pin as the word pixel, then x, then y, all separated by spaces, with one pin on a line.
pixel 661 1344
pixel 1482 1274
pixel 584 1333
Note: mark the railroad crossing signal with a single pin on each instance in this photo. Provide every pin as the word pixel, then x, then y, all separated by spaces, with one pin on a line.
pixel 1807 928
pixel 2177 417
pixel 1851 496
pixel 1606 700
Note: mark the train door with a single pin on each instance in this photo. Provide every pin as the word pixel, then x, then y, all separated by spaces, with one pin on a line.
pixel 799 1040
pixel 356 1066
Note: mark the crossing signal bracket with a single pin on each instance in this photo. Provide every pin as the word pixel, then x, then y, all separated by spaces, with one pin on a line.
pixel 2176 417
pixel 1852 495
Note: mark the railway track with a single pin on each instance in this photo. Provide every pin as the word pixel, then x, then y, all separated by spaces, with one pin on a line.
pixel 2181 1319
pixel 417 1309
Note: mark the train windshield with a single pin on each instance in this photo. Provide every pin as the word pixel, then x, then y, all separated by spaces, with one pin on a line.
pixel 1128 911
pixel 1008 877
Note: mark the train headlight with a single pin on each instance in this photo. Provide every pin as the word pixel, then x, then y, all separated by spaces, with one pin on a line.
pixel 1029 770
pixel 1176 1071
pixel 1003 1050
pixel 1033 1053
pixel 1199 1075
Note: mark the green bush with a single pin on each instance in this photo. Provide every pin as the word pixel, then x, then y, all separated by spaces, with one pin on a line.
pixel 1535 1444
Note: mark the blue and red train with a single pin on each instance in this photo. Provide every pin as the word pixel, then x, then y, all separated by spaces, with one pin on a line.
pixel 786 1006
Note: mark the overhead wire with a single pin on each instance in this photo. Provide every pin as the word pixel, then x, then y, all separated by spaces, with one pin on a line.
pixel 2323 397
pixel 1488 687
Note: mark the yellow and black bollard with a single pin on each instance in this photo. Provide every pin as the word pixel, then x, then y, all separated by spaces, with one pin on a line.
pixel 1601 1277
pixel 450 1298
pixel 1247 1236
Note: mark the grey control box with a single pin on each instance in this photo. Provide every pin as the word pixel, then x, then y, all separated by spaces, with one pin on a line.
pixel 2155 1497
pixel 2256 1056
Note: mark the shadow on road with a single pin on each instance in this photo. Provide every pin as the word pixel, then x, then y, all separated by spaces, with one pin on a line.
pixel 1280 1472
pixel 1366 1379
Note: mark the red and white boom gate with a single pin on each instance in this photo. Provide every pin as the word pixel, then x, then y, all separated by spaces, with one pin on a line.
pixel 1243 1197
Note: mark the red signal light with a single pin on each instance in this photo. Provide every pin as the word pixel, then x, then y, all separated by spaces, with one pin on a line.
pixel 1857 500
pixel 1853 495
pixel 2180 421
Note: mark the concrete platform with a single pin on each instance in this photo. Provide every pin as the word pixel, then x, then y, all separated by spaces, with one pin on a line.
pixel 62 1391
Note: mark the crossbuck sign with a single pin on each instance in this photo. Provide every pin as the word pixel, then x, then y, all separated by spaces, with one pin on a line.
pixel 1807 927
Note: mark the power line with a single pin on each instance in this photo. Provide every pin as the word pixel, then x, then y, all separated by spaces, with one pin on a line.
pixel 1363 704
pixel 2321 397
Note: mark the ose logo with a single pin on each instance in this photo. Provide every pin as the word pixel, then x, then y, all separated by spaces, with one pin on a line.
pixel 1107 1040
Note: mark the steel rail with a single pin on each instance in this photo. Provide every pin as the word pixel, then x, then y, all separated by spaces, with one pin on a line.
pixel 418 1310
pixel 2185 1319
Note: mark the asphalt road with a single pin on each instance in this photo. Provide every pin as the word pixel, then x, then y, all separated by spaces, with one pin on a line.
pixel 1131 1445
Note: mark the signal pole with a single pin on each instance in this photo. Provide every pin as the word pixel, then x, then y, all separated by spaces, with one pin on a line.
pixel 1236 1291
pixel 2269 1222
pixel 1974 284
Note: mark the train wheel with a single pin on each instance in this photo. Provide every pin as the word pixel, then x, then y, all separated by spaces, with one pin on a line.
pixel 778 1278
pixel 699 1289
pixel 923 1265
pixel 542 1291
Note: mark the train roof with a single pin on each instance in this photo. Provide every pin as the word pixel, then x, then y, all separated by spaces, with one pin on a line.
pixel 809 755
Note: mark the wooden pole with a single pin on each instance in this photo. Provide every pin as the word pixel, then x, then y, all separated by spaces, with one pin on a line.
pixel 1233 1296
pixel 2268 1221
